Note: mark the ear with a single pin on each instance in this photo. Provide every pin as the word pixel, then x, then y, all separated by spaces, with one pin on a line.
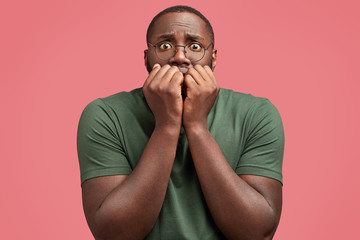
pixel 214 58
pixel 145 57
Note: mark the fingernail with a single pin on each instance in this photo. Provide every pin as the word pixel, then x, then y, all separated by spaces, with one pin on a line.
pixel 156 65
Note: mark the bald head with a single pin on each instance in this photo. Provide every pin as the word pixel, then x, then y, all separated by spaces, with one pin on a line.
pixel 180 9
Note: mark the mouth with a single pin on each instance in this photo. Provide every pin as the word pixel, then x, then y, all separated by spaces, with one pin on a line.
pixel 183 70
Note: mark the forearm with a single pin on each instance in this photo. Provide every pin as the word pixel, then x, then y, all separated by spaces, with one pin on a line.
pixel 131 209
pixel 239 210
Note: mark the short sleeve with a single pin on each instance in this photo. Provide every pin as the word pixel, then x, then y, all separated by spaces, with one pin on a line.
pixel 264 146
pixel 99 146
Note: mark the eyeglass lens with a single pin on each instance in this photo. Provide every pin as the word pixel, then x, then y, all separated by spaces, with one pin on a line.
pixel 168 50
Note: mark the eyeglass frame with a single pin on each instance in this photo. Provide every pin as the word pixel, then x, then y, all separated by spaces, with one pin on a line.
pixel 176 46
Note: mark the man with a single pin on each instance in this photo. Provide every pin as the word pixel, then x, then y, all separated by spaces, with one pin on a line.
pixel 181 158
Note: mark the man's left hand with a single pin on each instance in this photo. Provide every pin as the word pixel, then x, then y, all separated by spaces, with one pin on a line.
pixel 201 92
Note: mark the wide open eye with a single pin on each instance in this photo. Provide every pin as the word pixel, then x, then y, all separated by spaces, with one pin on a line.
pixel 165 46
pixel 195 47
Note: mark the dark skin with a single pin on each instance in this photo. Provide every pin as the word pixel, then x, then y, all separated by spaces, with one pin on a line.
pixel 127 206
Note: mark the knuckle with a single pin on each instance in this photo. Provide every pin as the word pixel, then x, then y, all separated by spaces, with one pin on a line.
pixel 208 91
pixel 178 75
pixel 172 91
pixel 149 88
pixel 215 89
pixel 161 89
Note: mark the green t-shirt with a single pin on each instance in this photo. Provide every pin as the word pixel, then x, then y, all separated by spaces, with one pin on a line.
pixel 114 131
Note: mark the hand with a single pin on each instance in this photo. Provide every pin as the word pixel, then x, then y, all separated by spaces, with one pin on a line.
pixel 162 91
pixel 201 92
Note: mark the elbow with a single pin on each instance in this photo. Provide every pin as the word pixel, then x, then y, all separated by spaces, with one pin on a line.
pixel 270 228
pixel 101 232
pixel 113 228
pixel 256 229
pixel 268 223
pixel 114 232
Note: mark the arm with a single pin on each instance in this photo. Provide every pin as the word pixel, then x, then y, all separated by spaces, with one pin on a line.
pixel 126 207
pixel 244 206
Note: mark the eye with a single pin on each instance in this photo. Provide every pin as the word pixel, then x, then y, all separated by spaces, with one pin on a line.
pixel 196 47
pixel 165 46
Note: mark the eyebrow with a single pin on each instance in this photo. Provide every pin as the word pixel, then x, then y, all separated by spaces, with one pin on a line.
pixel 194 36
pixel 167 35
pixel 188 35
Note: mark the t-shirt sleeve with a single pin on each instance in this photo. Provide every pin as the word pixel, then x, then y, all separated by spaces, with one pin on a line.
pixel 100 150
pixel 264 146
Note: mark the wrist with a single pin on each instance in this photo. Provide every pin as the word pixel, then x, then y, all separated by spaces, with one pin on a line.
pixel 168 129
pixel 196 128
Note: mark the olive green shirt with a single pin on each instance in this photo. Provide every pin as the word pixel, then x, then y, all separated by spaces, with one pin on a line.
pixel 114 131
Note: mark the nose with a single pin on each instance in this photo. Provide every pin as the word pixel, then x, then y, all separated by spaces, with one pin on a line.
pixel 179 57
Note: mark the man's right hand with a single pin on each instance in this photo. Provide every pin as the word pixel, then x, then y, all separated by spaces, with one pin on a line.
pixel 162 91
pixel 127 206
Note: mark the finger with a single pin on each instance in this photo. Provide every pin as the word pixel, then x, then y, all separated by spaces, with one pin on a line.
pixel 210 73
pixel 170 73
pixel 160 74
pixel 204 74
pixel 177 78
pixel 190 82
pixel 152 74
pixel 177 81
pixel 195 75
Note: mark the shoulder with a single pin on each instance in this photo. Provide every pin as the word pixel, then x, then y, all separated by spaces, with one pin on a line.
pixel 243 103
pixel 135 96
pixel 116 103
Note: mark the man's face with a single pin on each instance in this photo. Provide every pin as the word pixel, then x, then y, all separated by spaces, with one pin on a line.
pixel 181 29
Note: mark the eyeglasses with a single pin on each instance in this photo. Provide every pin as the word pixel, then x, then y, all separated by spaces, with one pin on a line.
pixel 193 51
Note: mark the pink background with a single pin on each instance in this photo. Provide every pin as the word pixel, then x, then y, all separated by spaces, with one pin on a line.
pixel 57 56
